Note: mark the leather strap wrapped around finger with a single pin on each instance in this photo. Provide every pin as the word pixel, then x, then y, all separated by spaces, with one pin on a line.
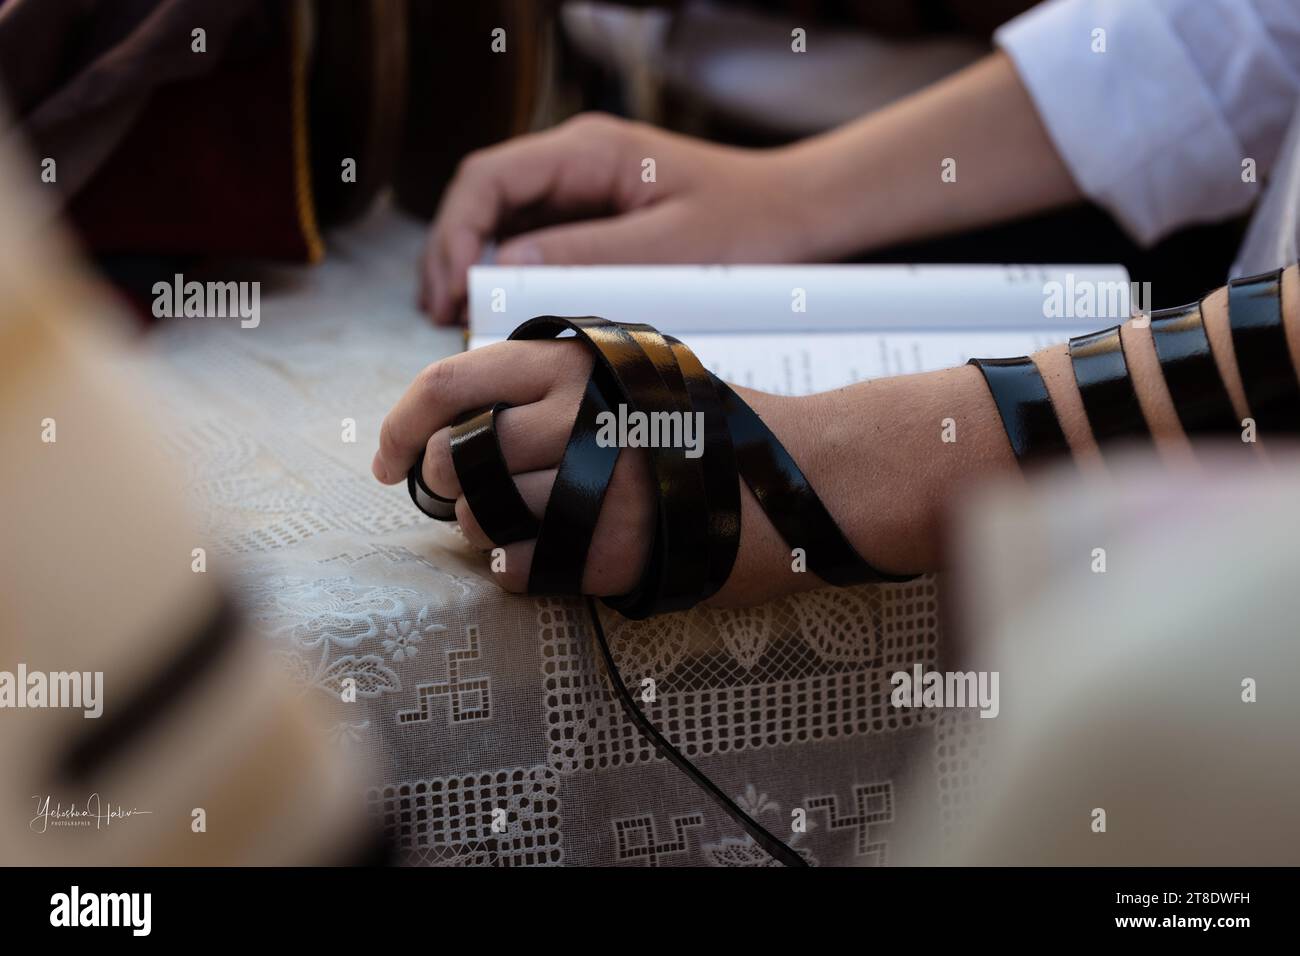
pixel 486 482
pixel 697 506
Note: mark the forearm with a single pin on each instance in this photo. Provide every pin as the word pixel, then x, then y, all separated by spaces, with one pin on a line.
pixel 928 436
pixel 878 181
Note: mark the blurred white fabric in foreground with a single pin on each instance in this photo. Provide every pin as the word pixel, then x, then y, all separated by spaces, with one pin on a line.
pixel 1123 690
pixel 195 750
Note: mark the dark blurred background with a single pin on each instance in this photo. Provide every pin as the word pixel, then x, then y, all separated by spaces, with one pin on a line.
pixel 166 159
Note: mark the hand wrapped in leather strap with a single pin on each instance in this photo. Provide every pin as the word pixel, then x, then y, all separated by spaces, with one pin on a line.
pixel 698 514
pixel 697 528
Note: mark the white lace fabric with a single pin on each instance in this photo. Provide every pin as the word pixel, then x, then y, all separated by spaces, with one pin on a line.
pixel 494 736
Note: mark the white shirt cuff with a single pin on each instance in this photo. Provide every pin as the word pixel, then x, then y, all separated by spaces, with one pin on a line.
pixel 1135 125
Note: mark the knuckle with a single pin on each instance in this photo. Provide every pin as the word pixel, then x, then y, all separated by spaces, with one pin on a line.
pixel 470 165
pixel 435 381
pixel 571 363
pixel 594 124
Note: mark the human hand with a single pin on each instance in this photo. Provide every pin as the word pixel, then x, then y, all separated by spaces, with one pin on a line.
pixel 543 382
pixel 592 174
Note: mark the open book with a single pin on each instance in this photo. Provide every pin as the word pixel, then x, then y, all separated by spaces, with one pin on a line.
pixel 795 330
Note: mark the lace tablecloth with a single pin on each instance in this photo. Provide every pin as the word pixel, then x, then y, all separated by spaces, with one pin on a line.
pixel 472 701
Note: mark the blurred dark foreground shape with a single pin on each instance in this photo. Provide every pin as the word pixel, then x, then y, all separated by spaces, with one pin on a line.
pixel 166 155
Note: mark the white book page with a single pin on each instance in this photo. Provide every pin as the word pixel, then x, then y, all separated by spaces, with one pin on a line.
pixel 860 322
pixel 689 300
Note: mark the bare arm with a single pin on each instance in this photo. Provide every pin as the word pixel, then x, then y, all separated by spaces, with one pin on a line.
pixel 869 184
pixel 895 505
pixel 880 176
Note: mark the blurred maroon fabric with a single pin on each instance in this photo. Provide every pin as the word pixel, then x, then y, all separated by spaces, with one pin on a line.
pixel 162 150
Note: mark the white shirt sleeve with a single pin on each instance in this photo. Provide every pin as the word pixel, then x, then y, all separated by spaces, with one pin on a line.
pixel 1273 239
pixel 1156 128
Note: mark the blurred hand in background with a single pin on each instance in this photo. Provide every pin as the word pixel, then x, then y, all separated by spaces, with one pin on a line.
pixel 598 189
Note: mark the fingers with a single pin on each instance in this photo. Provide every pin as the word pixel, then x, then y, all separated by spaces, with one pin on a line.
pixel 577 164
pixel 518 373
pixel 534 487
pixel 600 579
pixel 619 546
pixel 532 438
pixel 653 234
pixel 449 253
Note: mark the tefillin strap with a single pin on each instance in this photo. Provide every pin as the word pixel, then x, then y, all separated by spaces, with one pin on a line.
pixel 1026 409
pixel 1263 354
pixel 1191 372
pixel 697 508
pixel 1101 374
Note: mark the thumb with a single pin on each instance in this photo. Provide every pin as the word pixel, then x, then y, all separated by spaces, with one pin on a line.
pixel 645 235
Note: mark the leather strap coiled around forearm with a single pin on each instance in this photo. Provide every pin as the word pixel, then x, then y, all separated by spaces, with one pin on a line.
pixel 1025 407
pixel 1263 354
pixel 1109 399
pixel 1191 373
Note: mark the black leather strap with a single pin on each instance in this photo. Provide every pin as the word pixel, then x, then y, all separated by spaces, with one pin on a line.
pixel 788 499
pixel 1263 355
pixel 560 555
pixel 697 507
pixel 1101 373
pixel 1191 373
pixel 761 835
pixel 433 505
pixel 721 488
pixel 1025 407
pixel 486 482
pixel 697 530
pixel 675 576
